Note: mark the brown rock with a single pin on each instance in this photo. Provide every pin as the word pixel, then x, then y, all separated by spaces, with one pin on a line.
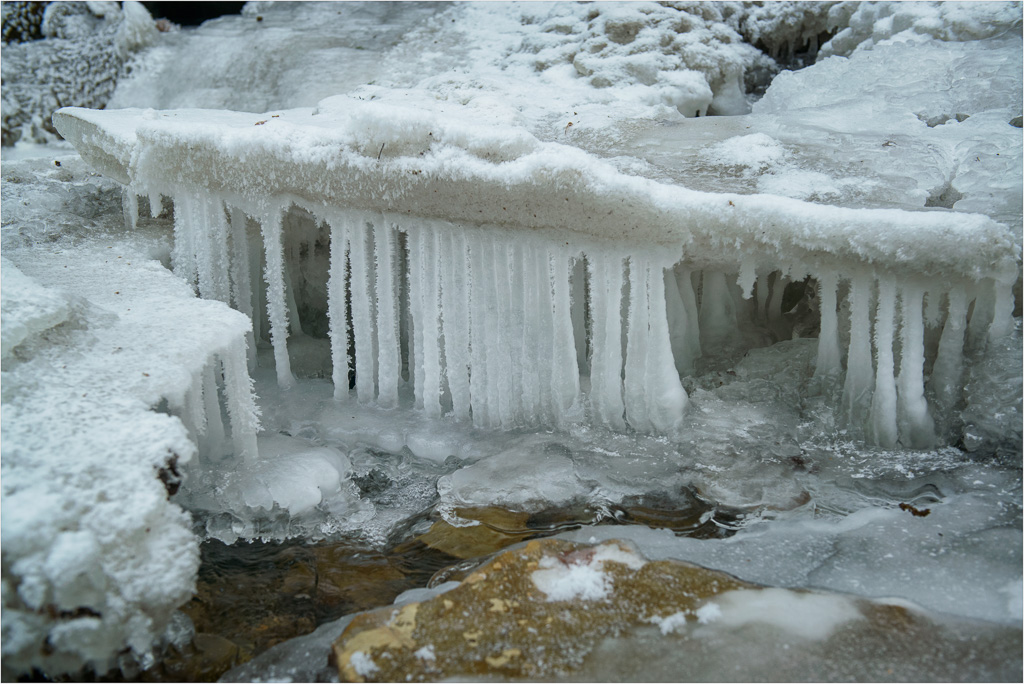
pixel 499 622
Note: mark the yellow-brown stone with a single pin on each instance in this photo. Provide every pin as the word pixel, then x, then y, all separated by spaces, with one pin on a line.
pixel 498 623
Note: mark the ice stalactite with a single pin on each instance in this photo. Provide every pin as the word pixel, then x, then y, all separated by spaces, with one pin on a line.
pixel 364 318
pixel 389 363
pixel 241 278
pixel 211 440
pixel 747 277
pixel 580 313
pixel 915 424
pixel 606 276
pixel 504 378
pixel 455 293
pixel 1002 313
pixel 497 331
pixel 337 311
pixel 210 241
pixel 859 372
pixel 637 338
pixel 241 403
pixel 685 323
pixel 982 315
pixel 565 377
pixel 718 325
pixel 156 204
pixel 129 207
pixel 829 361
pixel 427 319
pixel 655 399
pixel 276 306
pixel 482 366
pixel 949 361
pixel 183 256
pixel 882 429
pixel 762 291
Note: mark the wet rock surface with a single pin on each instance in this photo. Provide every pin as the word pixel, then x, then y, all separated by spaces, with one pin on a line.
pixel 554 609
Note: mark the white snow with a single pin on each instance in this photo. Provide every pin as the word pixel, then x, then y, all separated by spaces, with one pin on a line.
pixel 363 664
pixel 99 557
pixel 708 613
pixel 805 615
pixel 581 575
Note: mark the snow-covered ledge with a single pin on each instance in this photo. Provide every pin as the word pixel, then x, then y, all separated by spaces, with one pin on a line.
pixel 426 214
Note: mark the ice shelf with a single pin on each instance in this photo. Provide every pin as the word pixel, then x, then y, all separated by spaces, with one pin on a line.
pixel 515 282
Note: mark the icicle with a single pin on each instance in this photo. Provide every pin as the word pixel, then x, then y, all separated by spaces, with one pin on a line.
pixel 241 402
pixel 524 310
pixel 212 441
pixel 579 312
pixel 1002 314
pixel 389 363
pixel 666 398
pixel 414 258
pixel 828 361
pixel 129 207
pixel 915 425
pixel 565 377
pixel 949 361
pixel 241 281
pixel 763 290
pixel 678 325
pixel 455 320
pixel 982 315
pixel 776 322
pixel 637 334
pixel 259 294
pixel 193 410
pixel 276 310
pixel 691 350
pixel 363 319
pixel 859 374
pixel 747 276
pixel 211 245
pixel 494 343
pixel 337 311
pixel 156 204
pixel 717 312
pixel 882 429
pixel 479 352
pixel 183 256
pixel 932 308
pixel 428 320
pixel 606 343
pixel 504 379
pixel 294 322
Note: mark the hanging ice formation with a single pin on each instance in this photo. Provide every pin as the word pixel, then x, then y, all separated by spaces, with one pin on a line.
pixel 544 297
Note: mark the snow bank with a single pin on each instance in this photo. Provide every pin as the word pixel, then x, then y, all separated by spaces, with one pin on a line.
pixel 101 346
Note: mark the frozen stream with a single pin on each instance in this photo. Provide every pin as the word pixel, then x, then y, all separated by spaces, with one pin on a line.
pixel 518 271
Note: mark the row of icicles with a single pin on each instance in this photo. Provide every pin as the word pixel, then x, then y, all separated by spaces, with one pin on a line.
pixel 487 326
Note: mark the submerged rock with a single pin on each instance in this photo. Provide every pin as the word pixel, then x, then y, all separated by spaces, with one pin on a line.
pixel 555 609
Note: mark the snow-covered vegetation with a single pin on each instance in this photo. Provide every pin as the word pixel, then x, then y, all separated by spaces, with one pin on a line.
pixel 517 255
